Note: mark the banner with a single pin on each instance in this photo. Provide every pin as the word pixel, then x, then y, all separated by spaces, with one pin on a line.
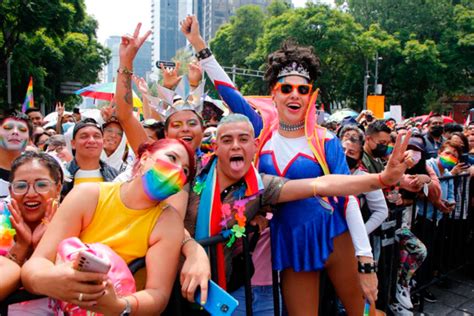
pixel 376 103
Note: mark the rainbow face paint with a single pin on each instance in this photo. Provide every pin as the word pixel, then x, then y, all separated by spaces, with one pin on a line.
pixel 13 135
pixel 389 149
pixel 163 180
pixel 448 161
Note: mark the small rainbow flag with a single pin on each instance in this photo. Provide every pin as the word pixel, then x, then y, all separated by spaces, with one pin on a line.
pixel 29 101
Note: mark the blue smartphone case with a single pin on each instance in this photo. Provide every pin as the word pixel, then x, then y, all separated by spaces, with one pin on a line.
pixel 219 302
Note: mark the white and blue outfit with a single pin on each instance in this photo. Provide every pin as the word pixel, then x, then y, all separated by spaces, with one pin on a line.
pixel 302 232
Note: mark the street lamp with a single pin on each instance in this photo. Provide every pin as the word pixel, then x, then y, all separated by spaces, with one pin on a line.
pixel 377 87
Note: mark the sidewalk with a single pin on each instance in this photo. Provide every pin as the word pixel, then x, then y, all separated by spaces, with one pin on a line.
pixel 458 300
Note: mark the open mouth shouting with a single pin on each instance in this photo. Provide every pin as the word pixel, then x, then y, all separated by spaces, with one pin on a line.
pixel 237 163
pixel 293 107
pixel 31 206
pixel 187 139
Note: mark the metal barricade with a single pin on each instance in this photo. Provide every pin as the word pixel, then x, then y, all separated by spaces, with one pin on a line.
pixel 449 240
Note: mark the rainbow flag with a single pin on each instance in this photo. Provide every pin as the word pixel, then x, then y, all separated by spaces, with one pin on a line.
pixel 29 101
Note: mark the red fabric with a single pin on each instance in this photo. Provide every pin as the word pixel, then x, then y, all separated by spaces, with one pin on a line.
pixel 216 228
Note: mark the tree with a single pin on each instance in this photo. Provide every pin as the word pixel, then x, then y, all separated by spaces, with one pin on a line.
pixel 436 57
pixel 52 41
pixel 235 40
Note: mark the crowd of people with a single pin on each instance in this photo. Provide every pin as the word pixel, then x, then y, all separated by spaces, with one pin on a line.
pixel 191 168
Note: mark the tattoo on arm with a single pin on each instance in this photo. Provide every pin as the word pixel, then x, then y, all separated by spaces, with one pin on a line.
pixel 127 82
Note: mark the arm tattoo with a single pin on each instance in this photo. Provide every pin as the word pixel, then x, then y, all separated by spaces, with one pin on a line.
pixel 127 82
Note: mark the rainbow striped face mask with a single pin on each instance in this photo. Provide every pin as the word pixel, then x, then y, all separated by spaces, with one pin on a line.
pixel 163 180
pixel 448 161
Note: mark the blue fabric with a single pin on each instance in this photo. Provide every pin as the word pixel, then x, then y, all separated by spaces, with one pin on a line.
pixel 205 205
pixel 447 192
pixel 262 301
pixel 238 104
pixel 303 231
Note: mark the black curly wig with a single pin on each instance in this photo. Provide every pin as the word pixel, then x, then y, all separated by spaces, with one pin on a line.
pixel 288 53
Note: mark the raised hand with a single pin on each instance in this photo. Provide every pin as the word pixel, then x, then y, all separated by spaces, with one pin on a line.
pixel 190 29
pixel 399 161
pixel 39 231
pixel 23 232
pixel 141 84
pixel 60 110
pixel 171 76
pixel 130 45
pixel 195 73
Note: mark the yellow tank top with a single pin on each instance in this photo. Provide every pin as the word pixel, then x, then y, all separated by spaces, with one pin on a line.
pixel 125 230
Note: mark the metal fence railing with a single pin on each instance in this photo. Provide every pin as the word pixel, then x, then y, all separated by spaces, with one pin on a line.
pixel 449 242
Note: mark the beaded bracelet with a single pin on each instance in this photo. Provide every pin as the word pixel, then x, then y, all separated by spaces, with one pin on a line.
pixel 124 71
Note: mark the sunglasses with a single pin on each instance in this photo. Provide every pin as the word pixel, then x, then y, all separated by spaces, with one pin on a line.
pixel 287 88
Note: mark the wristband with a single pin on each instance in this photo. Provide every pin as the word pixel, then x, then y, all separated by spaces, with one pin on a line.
pixel 203 54
pixel 384 185
pixel 367 267
pixel 124 71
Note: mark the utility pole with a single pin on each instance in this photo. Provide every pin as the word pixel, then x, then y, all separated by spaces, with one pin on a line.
pixel 366 83
pixel 377 89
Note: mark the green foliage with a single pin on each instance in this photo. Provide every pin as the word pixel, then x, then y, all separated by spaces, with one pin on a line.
pixel 436 58
pixel 51 40
pixel 426 48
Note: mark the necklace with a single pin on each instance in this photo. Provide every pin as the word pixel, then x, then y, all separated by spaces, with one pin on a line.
pixel 291 127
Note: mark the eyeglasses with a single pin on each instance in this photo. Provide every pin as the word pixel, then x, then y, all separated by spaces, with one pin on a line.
pixel 287 88
pixel 40 186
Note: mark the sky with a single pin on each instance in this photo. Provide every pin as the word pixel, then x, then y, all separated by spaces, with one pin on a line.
pixel 118 17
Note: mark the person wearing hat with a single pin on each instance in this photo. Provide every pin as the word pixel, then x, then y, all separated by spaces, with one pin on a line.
pixel 87 144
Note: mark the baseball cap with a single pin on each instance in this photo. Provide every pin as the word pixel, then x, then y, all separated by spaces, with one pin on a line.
pixel 85 123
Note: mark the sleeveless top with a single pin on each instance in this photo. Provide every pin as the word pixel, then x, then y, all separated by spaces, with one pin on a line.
pixel 125 230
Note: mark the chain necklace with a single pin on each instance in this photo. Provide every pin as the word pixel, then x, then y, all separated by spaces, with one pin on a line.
pixel 291 127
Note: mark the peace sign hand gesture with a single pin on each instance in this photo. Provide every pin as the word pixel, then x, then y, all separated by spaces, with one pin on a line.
pixel 130 45
pixel 399 161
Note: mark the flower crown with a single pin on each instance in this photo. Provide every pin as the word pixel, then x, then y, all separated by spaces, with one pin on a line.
pixel 294 69
pixel 181 98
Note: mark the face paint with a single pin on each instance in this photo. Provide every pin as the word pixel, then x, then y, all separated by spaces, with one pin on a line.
pixel 448 161
pixel 163 180
pixel 13 135
pixel 389 149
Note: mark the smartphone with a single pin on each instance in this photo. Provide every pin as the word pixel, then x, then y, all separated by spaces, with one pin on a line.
pixel 166 64
pixel 219 302
pixel 465 159
pixel 88 262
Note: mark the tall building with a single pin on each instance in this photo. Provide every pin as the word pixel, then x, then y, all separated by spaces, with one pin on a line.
pixel 166 14
pixel 141 64
pixel 214 13
pixel 165 17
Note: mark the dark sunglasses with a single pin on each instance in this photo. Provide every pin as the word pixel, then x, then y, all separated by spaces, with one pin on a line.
pixel 287 88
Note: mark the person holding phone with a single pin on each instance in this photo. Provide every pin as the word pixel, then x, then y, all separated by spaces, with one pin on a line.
pixel 430 214
pixel 162 168
pixel 294 147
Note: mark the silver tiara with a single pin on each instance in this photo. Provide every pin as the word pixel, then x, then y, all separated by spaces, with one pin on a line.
pixel 294 69
pixel 182 98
